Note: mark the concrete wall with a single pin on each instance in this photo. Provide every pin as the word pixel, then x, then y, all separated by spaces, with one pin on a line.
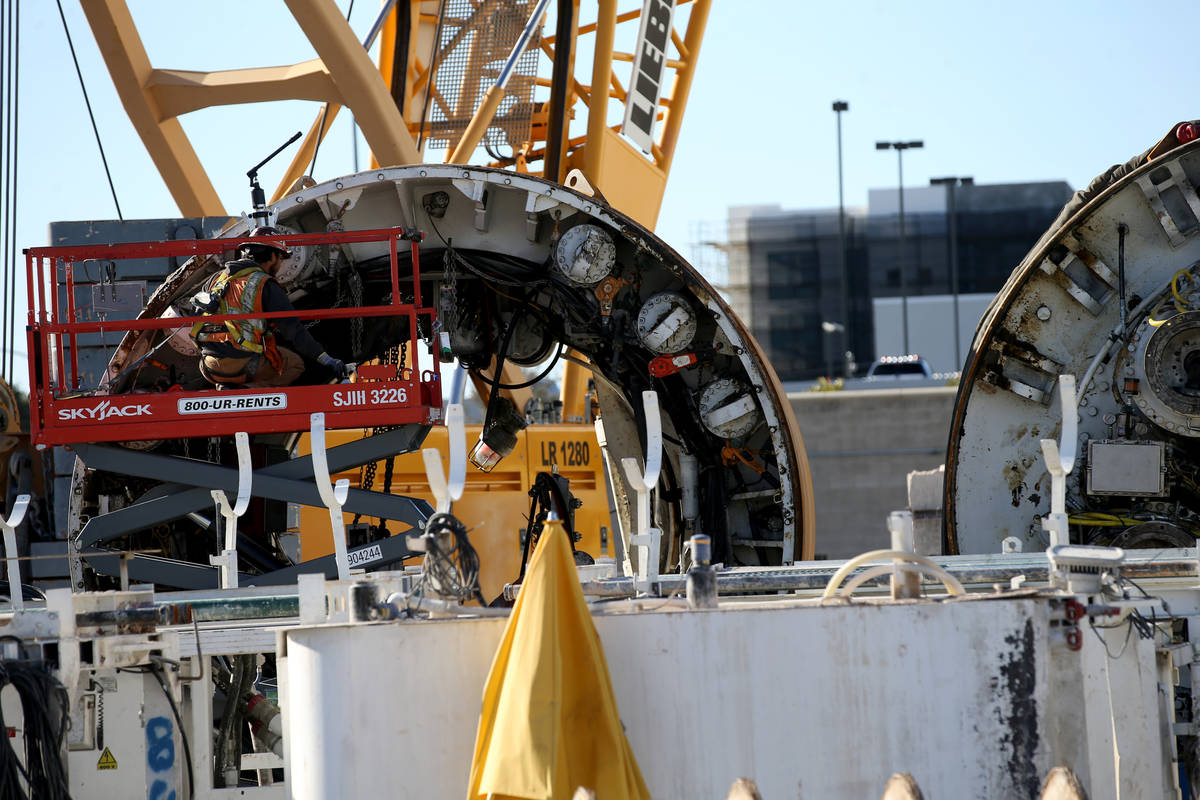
pixel 861 447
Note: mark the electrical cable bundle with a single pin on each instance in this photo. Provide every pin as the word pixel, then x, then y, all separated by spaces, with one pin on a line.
pixel 227 749
pixel 452 571
pixel 44 707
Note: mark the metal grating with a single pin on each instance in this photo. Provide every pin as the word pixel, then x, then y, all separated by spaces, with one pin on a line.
pixel 475 41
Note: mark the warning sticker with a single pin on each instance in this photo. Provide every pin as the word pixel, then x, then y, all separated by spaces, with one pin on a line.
pixel 107 760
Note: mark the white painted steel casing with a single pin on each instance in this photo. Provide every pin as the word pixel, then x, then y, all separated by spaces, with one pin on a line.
pixel 1054 317
pixel 666 323
pixel 524 219
pixel 975 699
pixel 585 255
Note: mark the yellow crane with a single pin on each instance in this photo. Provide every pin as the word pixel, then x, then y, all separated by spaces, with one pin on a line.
pixel 466 81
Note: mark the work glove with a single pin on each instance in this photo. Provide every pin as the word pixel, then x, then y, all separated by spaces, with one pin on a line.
pixel 334 365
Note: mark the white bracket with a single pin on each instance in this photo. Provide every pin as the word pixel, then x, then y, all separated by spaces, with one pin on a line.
pixel 227 560
pixel 333 496
pixel 446 493
pixel 1060 460
pixel 10 549
pixel 646 539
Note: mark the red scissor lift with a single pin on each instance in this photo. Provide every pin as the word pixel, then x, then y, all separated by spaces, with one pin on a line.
pixel 63 411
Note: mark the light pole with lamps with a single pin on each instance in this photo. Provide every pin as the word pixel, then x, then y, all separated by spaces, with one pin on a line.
pixel 952 255
pixel 838 107
pixel 900 147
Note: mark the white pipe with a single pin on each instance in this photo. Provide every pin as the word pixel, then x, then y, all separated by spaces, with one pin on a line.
pixel 20 506
pixel 522 42
pixel 401 601
pixel 952 584
pixel 334 497
pixel 905 583
pixel 1115 335
pixel 875 555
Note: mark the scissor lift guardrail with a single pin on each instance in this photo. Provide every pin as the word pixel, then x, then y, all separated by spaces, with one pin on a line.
pixel 62 411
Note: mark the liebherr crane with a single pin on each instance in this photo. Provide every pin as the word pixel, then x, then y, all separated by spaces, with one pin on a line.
pixel 591 155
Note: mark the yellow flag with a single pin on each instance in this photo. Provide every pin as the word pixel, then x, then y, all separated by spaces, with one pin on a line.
pixel 549 722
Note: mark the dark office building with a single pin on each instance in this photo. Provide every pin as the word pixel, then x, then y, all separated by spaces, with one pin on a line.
pixel 785 273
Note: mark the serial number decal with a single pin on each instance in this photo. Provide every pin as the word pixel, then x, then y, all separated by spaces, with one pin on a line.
pixel 365 556
pixel 222 405
pixel 570 453
pixel 370 397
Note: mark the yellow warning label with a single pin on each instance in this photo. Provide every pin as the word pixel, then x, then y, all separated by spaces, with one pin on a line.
pixel 107 760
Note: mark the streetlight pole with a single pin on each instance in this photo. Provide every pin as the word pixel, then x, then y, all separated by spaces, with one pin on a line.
pixel 952 237
pixel 900 147
pixel 838 107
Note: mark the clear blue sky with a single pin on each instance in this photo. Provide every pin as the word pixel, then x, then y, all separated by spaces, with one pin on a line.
pixel 1004 92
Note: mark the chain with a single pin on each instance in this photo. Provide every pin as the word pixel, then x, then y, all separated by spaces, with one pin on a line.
pixel 214 450
pixel 365 481
pixel 356 323
pixel 450 280
pixel 450 268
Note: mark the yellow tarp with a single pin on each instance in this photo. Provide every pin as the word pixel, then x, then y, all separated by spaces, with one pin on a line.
pixel 549 721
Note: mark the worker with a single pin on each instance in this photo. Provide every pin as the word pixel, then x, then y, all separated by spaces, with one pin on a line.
pixel 244 352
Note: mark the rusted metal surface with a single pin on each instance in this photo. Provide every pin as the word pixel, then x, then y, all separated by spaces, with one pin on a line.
pixel 1053 316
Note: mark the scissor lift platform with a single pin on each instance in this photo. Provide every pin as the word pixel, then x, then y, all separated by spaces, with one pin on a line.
pixel 403 399
pixel 63 412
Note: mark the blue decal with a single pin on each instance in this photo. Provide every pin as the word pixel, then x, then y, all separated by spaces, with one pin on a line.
pixel 160 756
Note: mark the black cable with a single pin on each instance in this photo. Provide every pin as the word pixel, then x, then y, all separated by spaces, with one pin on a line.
pixel 312 169
pixel 187 750
pixel 5 122
pixel 10 35
pixel 317 147
pixel 91 116
pixel 44 706
pixel 531 381
pixel 437 45
pixel 228 717
pixel 453 571
pixel 1122 232
pixel 13 175
pixel 499 368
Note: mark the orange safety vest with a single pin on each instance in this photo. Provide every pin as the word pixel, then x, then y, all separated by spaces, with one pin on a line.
pixel 240 293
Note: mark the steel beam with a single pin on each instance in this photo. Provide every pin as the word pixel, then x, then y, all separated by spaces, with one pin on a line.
pixel 187 575
pixel 292 477
pixel 168 145
pixel 175 92
pixel 358 80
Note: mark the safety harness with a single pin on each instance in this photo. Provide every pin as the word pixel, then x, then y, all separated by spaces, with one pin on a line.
pixel 238 293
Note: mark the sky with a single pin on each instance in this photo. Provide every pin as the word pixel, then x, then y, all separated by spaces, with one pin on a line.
pixel 1003 92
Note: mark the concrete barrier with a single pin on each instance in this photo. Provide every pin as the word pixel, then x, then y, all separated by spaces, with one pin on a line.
pixel 861 446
